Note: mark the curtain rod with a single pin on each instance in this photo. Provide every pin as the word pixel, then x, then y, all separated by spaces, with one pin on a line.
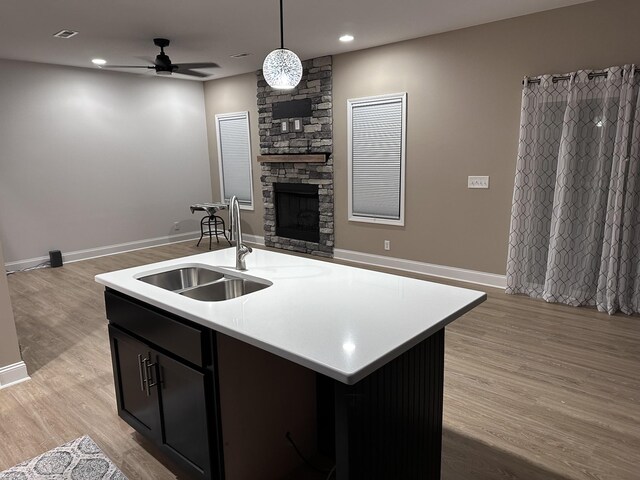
pixel 536 81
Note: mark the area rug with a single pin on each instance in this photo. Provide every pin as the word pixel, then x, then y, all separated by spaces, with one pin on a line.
pixel 80 459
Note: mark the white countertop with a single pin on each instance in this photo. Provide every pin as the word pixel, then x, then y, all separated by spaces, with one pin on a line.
pixel 341 321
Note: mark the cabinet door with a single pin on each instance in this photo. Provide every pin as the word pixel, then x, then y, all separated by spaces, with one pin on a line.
pixel 184 412
pixel 134 378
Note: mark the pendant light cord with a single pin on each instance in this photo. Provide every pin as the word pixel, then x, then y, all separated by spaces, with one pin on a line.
pixel 281 27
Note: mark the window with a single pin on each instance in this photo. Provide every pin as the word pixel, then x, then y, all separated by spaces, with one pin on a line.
pixel 377 139
pixel 234 157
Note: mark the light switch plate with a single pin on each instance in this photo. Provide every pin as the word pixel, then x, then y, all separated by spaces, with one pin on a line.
pixel 478 182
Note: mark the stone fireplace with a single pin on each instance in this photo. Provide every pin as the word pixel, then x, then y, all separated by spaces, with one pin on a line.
pixel 297 166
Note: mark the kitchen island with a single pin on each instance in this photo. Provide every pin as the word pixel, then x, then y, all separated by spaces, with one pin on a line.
pixel 363 351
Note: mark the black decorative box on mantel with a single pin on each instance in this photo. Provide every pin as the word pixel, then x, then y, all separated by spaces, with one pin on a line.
pixel 304 157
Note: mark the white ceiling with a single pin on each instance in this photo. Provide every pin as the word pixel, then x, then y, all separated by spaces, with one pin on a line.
pixel 121 31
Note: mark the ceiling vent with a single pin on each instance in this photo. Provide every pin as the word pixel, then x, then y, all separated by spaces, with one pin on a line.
pixel 65 34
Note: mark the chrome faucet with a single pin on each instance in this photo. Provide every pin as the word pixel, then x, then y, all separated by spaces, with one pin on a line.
pixel 242 250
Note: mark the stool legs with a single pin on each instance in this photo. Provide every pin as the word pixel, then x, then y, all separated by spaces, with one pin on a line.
pixel 224 230
pixel 202 231
pixel 212 224
pixel 209 224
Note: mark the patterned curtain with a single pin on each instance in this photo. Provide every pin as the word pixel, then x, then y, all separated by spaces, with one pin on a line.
pixel 575 220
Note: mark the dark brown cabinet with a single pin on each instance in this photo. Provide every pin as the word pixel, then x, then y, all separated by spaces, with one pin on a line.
pixel 138 402
pixel 173 379
pixel 163 395
pixel 184 410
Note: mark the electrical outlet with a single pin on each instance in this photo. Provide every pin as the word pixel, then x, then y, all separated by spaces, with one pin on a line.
pixel 387 245
pixel 176 226
pixel 478 182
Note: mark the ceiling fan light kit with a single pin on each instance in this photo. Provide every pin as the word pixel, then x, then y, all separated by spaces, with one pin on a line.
pixel 282 68
pixel 162 63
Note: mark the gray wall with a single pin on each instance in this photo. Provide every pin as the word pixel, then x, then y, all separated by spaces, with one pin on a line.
pixel 91 158
pixel 227 95
pixel 464 95
pixel 9 352
pixel 464 92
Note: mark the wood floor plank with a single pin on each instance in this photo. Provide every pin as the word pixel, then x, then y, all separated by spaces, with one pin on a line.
pixel 533 391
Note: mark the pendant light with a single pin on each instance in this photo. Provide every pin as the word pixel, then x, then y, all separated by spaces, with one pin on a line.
pixel 282 68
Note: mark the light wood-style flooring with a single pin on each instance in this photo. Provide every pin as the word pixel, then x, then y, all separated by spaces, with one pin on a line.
pixel 533 391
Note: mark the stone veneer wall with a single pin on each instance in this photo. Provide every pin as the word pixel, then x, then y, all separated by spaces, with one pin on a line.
pixel 317 137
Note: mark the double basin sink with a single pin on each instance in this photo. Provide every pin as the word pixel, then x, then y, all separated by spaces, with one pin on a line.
pixel 210 284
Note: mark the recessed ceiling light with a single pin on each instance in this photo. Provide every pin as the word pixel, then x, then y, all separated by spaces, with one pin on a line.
pixel 98 61
pixel 239 55
pixel 65 34
pixel 346 38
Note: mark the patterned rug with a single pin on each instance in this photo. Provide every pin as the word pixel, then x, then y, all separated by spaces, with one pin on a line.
pixel 80 459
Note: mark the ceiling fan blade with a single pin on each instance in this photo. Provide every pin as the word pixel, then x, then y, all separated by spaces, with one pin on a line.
pixel 189 66
pixel 127 66
pixel 192 73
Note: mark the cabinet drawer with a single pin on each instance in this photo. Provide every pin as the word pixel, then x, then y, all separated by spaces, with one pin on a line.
pixel 157 327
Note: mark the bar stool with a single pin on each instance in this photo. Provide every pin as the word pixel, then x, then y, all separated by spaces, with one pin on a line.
pixel 212 225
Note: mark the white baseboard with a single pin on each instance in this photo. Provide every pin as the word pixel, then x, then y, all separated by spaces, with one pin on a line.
pixel 441 271
pixel 13 374
pixel 106 250
pixel 257 239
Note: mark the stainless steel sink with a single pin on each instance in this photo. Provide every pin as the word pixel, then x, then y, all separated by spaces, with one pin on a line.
pixel 183 278
pixel 206 284
pixel 224 290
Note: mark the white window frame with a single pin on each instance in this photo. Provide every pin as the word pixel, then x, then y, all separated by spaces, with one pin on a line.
pixel 234 116
pixel 377 100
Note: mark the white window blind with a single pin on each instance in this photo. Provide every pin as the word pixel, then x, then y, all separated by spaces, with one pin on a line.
pixel 377 159
pixel 234 157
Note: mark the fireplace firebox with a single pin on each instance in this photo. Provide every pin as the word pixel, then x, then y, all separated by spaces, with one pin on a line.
pixel 297 211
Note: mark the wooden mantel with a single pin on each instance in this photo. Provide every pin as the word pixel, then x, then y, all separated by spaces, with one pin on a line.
pixel 300 158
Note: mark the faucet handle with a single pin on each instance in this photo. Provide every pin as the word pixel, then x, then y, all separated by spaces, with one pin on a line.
pixel 244 250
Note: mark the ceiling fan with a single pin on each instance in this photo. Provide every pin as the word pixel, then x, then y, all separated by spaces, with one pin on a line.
pixel 163 66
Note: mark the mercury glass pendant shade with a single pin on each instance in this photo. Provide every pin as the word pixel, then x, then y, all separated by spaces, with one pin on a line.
pixel 282 69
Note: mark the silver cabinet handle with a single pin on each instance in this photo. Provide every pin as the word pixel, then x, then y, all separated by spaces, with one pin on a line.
pixel 146 373
pixel 141 370
pixel 149 374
